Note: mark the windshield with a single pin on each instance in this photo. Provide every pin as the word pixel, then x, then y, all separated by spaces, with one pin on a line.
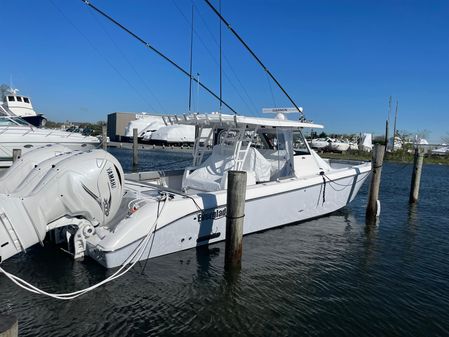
pixel 12 121
pixel 299 144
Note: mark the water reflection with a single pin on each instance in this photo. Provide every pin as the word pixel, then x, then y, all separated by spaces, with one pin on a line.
pixel 205 256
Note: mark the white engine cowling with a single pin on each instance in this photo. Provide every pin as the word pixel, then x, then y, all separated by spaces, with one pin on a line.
pixel 29 162
pixel 82 185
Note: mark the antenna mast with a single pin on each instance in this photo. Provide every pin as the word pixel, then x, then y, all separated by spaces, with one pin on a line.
pixel 190 70
pixel 395 119
pixel 221 82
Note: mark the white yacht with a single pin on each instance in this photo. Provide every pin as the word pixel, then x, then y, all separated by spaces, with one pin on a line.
pixel 117 219
pixel 17 105
pixel 16 133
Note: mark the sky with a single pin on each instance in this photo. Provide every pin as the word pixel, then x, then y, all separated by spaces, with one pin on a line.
pixel 339 60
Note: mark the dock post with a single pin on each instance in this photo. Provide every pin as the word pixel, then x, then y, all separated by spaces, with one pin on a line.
pixel 416 174
pixel 8 326
pixel 135 150
pixel 104 138
pixel 235 215
pixel 16 154
pixel 372 209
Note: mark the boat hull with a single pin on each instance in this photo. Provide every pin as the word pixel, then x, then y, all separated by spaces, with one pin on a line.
pixel 297 201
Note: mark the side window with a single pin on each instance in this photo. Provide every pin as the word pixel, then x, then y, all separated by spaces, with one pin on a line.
pixel 299 144
pixel 26 100
pixel 19 99
pixel 11 98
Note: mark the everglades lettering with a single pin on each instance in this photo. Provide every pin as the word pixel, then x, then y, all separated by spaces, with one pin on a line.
pixel 212 214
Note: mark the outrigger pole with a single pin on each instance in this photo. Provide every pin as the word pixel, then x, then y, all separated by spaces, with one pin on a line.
pixel 88 3
pixel 190 68
pixel 254 55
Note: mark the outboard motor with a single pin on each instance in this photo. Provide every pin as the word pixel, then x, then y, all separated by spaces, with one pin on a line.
pixel 28 162
pixel 84 188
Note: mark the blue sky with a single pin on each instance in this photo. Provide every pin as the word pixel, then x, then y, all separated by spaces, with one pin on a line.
pixel 339 60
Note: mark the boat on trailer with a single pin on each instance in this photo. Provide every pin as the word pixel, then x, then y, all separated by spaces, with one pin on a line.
pixel 85 199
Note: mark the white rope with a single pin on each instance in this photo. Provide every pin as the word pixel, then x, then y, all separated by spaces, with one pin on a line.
pixel 138 251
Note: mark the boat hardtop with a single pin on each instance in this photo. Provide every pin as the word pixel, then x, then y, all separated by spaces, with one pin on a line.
pixel 219 119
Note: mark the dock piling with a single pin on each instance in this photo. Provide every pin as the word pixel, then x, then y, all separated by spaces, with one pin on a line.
pixel 16 154
pixel 135 150
pixel 104 138
pixel 416 174
pixel 8 326
pixel 373 209
pixel 235 214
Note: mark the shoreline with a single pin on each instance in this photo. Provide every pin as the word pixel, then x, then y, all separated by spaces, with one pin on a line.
pixel 392 157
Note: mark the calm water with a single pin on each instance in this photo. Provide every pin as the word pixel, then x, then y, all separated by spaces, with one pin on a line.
pixel 331 276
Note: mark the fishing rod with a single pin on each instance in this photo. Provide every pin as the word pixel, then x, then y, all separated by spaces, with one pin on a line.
pixel 173 63
pixel 254 55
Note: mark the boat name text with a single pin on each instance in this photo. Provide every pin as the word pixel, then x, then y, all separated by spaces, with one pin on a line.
pixel 212 215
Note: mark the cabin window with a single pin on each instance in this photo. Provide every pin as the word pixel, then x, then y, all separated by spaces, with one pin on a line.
pixel 26 100
pixel 299 144
pixel 11 98
pixel 19 99
pixel 6 122
pixel 267 141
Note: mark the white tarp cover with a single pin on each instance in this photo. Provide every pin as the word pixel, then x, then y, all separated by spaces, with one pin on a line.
pixel 210 176
pixel 175 133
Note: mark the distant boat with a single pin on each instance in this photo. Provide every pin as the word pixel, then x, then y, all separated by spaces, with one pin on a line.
pixel 366 142
pixel 338 145
pixel 395 144
pixel 319 143
pixel 155 129
pixel 17 105
pixel 172 134
pixel 441 151
pixel 16 133
pixel 145 124
pixel 329 144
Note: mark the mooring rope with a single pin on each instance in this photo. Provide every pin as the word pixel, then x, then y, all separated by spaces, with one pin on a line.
pixel 332 181
pixel 132 259
pixel 324 189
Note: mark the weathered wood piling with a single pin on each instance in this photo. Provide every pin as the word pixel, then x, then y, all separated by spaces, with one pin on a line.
pixel 104 137
pixel 16 154
pixel 135 150
pixel 235 215
pixel 416 175
pixel 372 209
pixel 8 326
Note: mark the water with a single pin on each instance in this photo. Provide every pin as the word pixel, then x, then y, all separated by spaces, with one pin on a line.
pixel 330 276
